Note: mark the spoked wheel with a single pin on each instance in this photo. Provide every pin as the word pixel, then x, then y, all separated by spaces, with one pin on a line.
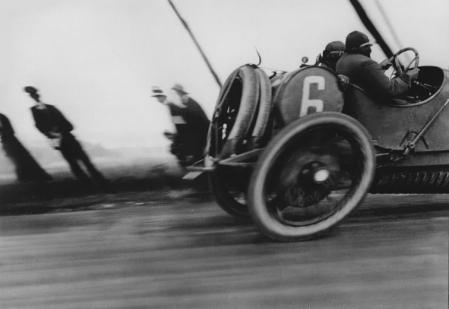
pixel 311 176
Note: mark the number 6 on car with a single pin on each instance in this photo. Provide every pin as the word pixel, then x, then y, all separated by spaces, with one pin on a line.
pixel 306 102
pixel 307 91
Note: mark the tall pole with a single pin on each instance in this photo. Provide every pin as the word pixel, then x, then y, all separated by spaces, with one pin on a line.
pixel 371 27
pixel 389 24
pixel 391 27
pixel 186 26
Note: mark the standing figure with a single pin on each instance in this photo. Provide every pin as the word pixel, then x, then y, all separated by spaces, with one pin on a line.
pixel 52 123
pixel 27 169
pixel 191 125
pixel 197 123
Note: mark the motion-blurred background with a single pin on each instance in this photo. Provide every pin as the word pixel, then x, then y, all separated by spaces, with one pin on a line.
pixel 96 60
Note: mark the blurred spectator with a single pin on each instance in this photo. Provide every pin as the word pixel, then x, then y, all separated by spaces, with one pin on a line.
pixel 27 169
pixel 191 125
pixel 52 123
pixel 197 121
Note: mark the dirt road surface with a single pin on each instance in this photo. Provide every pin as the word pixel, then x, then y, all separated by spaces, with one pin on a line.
pixel 188 253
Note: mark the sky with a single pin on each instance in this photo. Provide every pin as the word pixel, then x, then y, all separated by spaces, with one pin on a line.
pixel 96 60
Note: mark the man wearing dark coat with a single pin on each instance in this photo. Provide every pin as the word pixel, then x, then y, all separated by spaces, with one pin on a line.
pixel 26 167
pixel 52 123
pixel 191 124
pixel 368 74
pixel 195 131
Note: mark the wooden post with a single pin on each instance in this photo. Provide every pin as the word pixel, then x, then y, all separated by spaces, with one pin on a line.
pixel 186 26
pixel 364 18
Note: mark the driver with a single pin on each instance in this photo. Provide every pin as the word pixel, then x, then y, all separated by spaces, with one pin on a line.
pixel 357 65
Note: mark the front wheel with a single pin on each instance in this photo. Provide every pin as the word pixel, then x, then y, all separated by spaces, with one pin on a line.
pixel 311 176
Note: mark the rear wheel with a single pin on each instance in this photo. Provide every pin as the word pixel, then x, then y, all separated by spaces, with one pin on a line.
pixel 230 190
pixel 311 176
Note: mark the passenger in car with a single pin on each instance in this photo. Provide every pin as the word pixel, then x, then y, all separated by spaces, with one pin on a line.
pixel 357 65
pixel 330 55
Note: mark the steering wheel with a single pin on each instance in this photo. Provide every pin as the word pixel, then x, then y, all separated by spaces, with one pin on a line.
pixel 397 66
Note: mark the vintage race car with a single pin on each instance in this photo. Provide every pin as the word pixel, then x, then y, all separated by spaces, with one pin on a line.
pixel 298 152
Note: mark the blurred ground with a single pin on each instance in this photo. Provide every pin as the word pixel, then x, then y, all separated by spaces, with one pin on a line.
pixel 177 249
pixel 155 177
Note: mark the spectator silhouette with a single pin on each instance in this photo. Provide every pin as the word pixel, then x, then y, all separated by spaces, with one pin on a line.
pixel 26 167
pixel 191 125
pixel 197 124
pixel 52 123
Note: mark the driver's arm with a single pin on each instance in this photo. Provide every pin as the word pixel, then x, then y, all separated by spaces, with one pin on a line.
pixel 379 83
pixel 386 64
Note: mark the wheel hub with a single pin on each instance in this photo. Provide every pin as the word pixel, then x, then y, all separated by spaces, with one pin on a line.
pixel 306 179
pixel 321 175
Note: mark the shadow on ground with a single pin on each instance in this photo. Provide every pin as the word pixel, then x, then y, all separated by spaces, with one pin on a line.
pixel 130 185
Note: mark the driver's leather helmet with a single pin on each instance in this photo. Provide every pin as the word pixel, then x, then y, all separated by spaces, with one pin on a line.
pixel 331 53
pixel 358 42
pixel 334 49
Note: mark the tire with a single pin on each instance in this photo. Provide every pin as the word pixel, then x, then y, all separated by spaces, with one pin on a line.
pixel 237 110
pixel 285 182
pixel 265 106
pixel 226 197
pixel 240 91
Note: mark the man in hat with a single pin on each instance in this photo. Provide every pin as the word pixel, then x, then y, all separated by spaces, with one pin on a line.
pixel 52 123
pixel 191 104
pixel 176 148
pixel 368 74
pixel 197 121
pixel 330 55
pixel 191 126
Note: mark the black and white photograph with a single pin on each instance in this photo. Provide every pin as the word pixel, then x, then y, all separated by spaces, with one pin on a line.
pixel 224 154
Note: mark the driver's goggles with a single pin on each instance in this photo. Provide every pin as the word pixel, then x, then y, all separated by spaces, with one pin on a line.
pixel 336 53
pixel 371 43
